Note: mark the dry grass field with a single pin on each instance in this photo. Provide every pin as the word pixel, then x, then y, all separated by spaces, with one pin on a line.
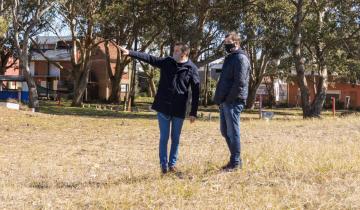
pixel 64 161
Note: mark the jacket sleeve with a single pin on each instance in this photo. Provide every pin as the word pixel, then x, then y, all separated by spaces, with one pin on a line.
pixel 195 88
pixel 240 71
pixel 152 60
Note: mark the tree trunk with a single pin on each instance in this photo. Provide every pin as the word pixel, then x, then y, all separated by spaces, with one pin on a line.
pixel 2 68
pixel 152 87
pixel 79 91
pixel 23 31
pixel 252 95
pixel 133 85
pixel 33 95
pixel 300 61
pixel 149 74
pixel 258 69
pixel 304 90
pixel 321 91
pixel 115 96
pixel 313 109
pixel 80 85
pixel 115 91
pixel 271 92
pixel 322 84
pixel 3 61
pixel 132 93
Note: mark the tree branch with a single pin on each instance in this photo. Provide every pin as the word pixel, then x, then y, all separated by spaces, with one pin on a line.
pixel 148 43
pixel 12 64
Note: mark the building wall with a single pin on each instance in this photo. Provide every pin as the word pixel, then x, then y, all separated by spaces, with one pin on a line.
pixel 41 68
pixel 14 70
pixel 99 73
pixel 352 91
pixel 333 89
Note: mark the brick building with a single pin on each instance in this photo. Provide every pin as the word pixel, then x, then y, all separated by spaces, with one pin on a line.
pixel 347 95
pixel 47 75
pixel 50 79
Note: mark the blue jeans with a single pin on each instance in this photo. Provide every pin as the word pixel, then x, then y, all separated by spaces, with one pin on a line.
pixel 230 128
pixel 165 122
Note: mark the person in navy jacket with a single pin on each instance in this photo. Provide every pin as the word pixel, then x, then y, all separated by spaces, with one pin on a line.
pixel 231 95
pixel 177 74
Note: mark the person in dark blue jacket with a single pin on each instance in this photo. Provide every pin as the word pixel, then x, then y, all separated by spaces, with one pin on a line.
pixel 231 94
pixel 177 74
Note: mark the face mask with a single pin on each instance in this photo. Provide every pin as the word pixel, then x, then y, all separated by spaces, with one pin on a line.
pixel 177 56
pixel 229 47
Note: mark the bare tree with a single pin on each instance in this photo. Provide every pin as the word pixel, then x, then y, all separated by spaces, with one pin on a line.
pixel 81 19
pixel 315 37
pixel 123 22
pixel 116 76
pixel 27 18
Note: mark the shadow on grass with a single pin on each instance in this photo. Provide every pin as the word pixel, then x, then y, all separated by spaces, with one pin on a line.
pixel 122 180
pixel 47 107
pixel 45 184
pixel 143 112
pixel 280 111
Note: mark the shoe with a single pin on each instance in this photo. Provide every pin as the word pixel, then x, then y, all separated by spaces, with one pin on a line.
pixel 176 172
pixel 231 167
pixel 164 170
pixel 173 169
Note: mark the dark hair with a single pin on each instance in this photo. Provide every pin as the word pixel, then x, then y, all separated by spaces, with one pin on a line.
pixel 184 47
pixel 234 37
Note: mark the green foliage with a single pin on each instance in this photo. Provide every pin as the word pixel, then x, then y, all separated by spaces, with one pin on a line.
pixel 332 40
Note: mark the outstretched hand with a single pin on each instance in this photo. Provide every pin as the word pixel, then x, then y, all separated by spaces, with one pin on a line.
pixel 124 51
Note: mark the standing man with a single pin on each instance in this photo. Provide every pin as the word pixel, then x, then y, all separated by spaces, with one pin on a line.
pixel 177 74
pixel 231 94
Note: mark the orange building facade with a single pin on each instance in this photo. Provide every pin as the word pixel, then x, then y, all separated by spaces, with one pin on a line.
pixel 346 95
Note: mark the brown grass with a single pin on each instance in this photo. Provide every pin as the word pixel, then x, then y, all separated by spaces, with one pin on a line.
pixel 75 162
